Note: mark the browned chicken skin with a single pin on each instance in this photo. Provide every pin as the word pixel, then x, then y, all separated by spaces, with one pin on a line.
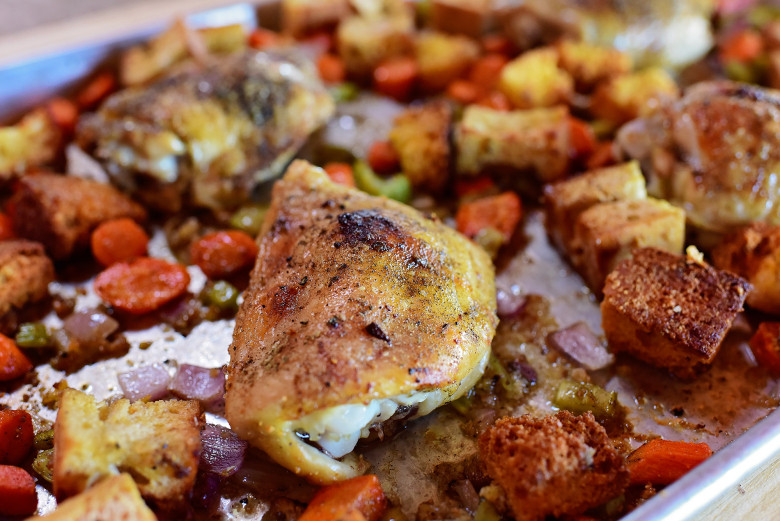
pixel 354 301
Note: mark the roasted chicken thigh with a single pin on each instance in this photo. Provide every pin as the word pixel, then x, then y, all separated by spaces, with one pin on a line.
pixel 359 310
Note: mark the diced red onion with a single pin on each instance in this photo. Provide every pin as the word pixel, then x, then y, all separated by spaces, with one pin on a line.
pixel 149 382
pixel 579 342
pixel 90 328
pixel 199 383
pixel 509 303
pixel 223 451
pixel 467 494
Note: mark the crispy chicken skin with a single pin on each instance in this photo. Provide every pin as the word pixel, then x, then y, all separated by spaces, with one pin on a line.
pixel 715 153
pixel 208 134
pixel 353 299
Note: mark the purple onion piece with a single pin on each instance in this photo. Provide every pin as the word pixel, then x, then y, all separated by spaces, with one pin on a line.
pixel 223 451
pixel 579 342
pixel 149 382
pixel 508 304
pixel 89 328
pixel 467 494
pixel 199 383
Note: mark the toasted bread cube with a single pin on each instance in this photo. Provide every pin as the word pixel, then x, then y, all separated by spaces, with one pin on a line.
pixel 25 273
pixel 301 17
pixel 559 465
pixel 566 200
pixel 589 64
pixel 30 143
pixel 607 233
pixel 420 135
pixel 534 80
pixel 527 140
pixel 115 498
pixel 158 443
pixel 753 252
pixel 629 96
pixel 468 17
pixel 61 211
pixel 670 310
pixel 365 42
pixel 443 58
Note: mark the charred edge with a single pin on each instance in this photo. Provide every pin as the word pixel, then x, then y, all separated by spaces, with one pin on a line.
pixel 369 227
pixel 375 331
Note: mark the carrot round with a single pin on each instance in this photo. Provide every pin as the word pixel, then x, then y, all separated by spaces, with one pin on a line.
pixel 581 138
pixel 662 462
pixel 16 436
pixel 603 154
pixel 96 90
pixel 486 70
pixel 6 228
pixel 221 254
pixel 501 212
pixel 17 492
pixel 142 285
pixel 331 68
pixel 341 173
pixel 383 158
pixel 742 47
pixel 496 43
pixel 464 91
pixel 395 77
pixel 64 113
pixel 118 240
pixel 765 345
pixel 362 494
pixel 262 38
pixel 13 363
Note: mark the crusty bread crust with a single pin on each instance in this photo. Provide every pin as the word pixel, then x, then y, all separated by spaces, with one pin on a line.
pixel 25 273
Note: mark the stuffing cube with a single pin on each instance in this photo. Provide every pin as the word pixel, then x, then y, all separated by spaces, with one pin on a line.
pixel 559 465
pixel 365 42
pixel 588 64
pixel 670 310
pixel 157 443
pixel 607 233
pixel 420 135
pixel 31 143
pixel 61 211
pixel 114 498
pixel 753 252
pixel 468 17
pixel 442 58
pixel 526 140
pixel 566 200
pixel 25 273
pixel 626 97
pixel 302 17
pixel 534 80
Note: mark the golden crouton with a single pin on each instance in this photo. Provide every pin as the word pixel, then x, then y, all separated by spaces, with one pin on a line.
pixel 61 211
pixel 558 465
pixel 534 140
pixel 606 233
pixel 753 252
pixel 468 17
pixel 157 443
pixel 115 498
pixel 25 273
pixel 30 143
pixel 627 97
pixel 443 58
pixel 301 17
pixel 589 64
pixel 669 310
pixel 534 80
pixel 566 200
pixel 365 42
pixel 420 135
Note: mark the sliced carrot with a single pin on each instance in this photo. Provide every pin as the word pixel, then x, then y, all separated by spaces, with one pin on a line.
pixel 64 113
pixel 13 363
pixel 603 155
pixel 335 502
pixel 6 227
pixel 497 43
pixel 96 90
pixel 661 462
pixel 17 492
pixel 118 240
pixel 262 38
pixel 501 212
pixel 221 254
pixel 582 140
pixel 331 68
pixel 765 345
pixel 464 91
pixel 743 46
pixel 16 436
pixel 142 285
pixel 496 100
pixel 383 158
pixel 341 173
pixel 486 70
pixel 396 77
pixel 476 185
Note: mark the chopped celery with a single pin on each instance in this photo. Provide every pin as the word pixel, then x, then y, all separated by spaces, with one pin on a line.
pixel 344 92
pixel 397 187
pixel 222 295
pixel 491 240
pixel 580 397
pixel 33 334
pixel 513 385
pixel 486 512
pixel 739 71
pixel 761 15
pixel 43 464
pixel 463 404
pixel 44 440
pixel 249 219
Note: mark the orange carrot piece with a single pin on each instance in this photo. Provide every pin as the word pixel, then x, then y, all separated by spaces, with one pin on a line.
pixel 262 38
pixel 497 43
pixel 765 345
pixel 118 240
pixel 602 155
pixel 383 158
pixel 221 254
pixel 495 100
pixel 464 91
pixel 13 363
pixel 743 46
pixel 64 113
pixel 341 173
pixel 335 502
pixel 17 492
pixel 662 462
pixel 486 70
pixel 96 90
pixel 331 68
pixel 395 77
pixel 142 285
pixel 476 185
pixel 16 436
pixel 501 212
pixel 582 140
pixel 6 227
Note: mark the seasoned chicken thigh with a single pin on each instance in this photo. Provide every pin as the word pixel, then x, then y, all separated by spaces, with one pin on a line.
pixel 359 310
pixel 715 153
pixel 208 134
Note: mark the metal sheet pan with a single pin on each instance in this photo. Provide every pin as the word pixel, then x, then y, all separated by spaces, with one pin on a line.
pixel 736 483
